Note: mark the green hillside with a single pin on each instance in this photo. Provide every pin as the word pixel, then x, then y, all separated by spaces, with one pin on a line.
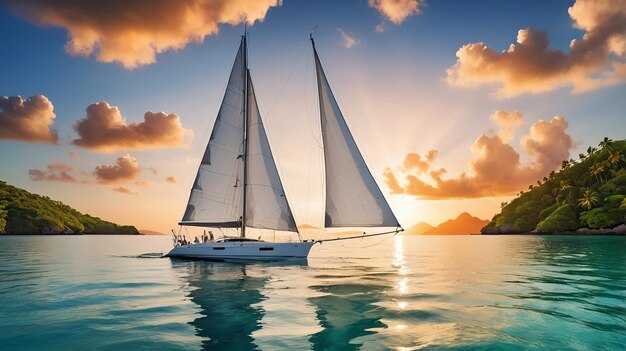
pixel 588 193
pixel 22 212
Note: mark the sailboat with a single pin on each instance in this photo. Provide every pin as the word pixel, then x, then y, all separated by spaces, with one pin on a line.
pixel 238 185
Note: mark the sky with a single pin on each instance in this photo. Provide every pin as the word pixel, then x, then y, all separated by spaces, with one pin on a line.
pixel 455 105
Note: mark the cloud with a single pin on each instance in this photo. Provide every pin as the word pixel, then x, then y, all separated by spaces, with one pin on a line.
pixel 127 191
pixel 171 179
pixel 52 175
pixel 27 120
pixel 507 119
pixel 75 157
pixel 414 162
pixel 104 129
pixel 596 60
pixel 508 122
pixel 133 32
pixel 494 169
pixel 379 28
pixel 62 167
pixel 548 143
pixel 126 168
pixel 397 10
pixel 58 172
pixel 348 39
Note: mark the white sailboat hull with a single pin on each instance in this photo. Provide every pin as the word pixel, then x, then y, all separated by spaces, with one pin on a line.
pixel 243 251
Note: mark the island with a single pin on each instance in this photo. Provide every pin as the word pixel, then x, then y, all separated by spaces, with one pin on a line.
pixel 22 212
pixel 463 224
pixel 586 196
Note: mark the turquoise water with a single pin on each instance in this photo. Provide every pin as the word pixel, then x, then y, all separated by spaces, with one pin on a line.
pixel 404 293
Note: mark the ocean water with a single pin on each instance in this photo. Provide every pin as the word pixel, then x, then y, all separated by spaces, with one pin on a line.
pixel 401 293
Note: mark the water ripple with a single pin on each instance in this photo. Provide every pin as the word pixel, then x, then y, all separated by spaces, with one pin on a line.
pixel 409 293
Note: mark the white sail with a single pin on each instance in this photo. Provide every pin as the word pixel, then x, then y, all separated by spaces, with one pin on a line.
pixel 353 199
pixel 216 198
pixel 266 202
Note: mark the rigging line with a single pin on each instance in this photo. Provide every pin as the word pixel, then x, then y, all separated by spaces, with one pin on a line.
pixel 308 190
pixel 280 93
pixel 306 101
pixel 396 231
pixel 374 244
pixel 319 141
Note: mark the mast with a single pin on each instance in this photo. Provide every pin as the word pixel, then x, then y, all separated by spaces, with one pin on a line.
pixel 245 131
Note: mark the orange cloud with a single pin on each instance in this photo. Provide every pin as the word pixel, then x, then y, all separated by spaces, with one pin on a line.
pixel 508 122
pixel 348 40
pixel 58 166
pixel 104 129
pixel 397 10
pixel 27 120
pixel 530 66
pixel 126 191
pixel 75 157
pixel 171 179
pixel 133 32
pixel 126 168
pixel 494 169
pixel 415 162
pixel 52 175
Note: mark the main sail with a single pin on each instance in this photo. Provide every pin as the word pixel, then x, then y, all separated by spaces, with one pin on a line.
pixel 216 198
pixel 266 202
pixel 238 166
pixel 353 199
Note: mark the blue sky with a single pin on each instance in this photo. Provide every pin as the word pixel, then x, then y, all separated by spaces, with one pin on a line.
pixel 391 86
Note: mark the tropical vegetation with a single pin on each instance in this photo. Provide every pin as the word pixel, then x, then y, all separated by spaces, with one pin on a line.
pixel 585 193
pixel 22 212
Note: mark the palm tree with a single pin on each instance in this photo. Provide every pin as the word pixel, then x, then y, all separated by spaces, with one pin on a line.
pixel 503 204
pixel 563 185
pixel 589 200
pixel 564 164
pixel 606 143
pixel 591 150
pixel 582 157
pixel 616 159
pixel 597 171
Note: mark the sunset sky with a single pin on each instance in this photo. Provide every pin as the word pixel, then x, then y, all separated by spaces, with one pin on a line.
pixel 456 105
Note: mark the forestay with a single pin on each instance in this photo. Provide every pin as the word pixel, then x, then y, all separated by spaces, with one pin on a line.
pixel 353 199
pixel 217 193
pixel 266 203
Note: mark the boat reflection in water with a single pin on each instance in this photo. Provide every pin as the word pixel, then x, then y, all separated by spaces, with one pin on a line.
pixel 231 298
pixel 227 297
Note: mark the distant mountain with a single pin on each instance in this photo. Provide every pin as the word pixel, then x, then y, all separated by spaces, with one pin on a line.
pixel 150 232
pixel 463 224
pixel 587 196
pixel 22 212
pixel 419 228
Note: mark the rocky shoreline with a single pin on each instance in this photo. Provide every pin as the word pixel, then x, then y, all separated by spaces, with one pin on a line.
pixel 619 230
